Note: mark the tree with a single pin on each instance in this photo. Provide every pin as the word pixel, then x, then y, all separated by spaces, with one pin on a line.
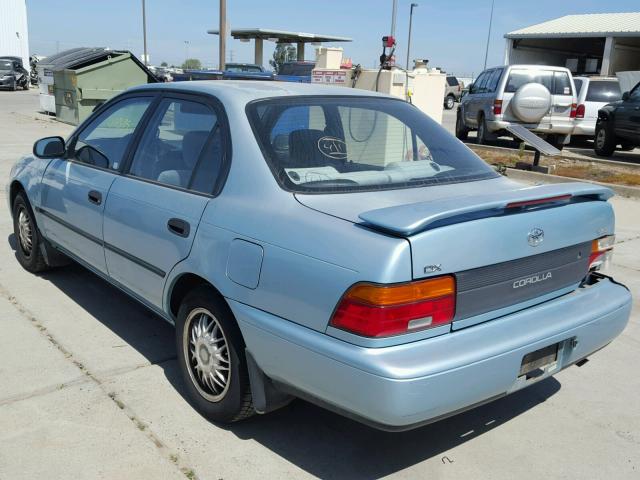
pixel 164 64
pixel 192 64
pixel 283 53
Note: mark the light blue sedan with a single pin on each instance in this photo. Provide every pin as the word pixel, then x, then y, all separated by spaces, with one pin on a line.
pixel 324 243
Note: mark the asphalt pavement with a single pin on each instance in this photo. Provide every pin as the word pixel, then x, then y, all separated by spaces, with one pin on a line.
pixel 89 388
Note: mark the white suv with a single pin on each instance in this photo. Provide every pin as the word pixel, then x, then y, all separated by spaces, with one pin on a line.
pixel 540 98
pixel 593 94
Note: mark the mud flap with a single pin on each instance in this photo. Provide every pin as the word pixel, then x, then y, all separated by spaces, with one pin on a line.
pixel 266 397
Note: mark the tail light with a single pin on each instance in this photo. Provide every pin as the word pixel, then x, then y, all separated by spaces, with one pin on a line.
pixel 574 108
pixel 580 111
pixel 374 310
pixel 601 252
pixel 497 107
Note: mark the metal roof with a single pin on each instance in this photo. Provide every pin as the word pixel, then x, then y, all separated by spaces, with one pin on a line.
pixel 587 25
pixel 281 36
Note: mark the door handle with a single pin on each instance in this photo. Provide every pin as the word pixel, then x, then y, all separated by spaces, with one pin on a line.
pixel 95 197
pixel 179 227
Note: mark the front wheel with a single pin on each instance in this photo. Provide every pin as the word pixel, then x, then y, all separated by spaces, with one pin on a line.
pixel 604 142
pixel 211 356
pixel 28 239
pixel 482 131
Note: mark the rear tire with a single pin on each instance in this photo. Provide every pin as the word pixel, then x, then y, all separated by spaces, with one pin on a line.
pixel 449 102
pixel 482 131
pixel 604 140
pixel 462 132
pixel 27 235
pixel 211 357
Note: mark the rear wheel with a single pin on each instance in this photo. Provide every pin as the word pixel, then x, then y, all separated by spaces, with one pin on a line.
pixel 449 102
pixel 462 132
pixel 211 356
pixel 28 239
pixel 482 131
pixel 557 141
pixel 604 142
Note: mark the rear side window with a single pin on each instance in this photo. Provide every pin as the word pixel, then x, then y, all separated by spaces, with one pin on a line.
pixel 603 91
pixel 452 81
pixel 330 144
pixel 561 84
pixel 518 78
pixel 181 147
pixel 578 83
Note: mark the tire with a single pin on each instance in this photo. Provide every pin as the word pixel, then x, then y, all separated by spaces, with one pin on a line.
pixel 204 316
pixel 449 102
pixel 604 141
pixel 462 132
pixel 14 85
pixel 27 235
pixel 482 131
pixel 557 141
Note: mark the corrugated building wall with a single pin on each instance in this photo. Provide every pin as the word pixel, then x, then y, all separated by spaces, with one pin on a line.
pixel 14 33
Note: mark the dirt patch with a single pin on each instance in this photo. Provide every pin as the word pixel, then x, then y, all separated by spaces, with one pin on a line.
pixel 566 167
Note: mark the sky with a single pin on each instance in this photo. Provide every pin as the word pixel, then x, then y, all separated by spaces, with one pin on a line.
pixel 451 34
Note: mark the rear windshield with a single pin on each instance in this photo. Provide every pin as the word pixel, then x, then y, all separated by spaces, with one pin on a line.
pixel 452 81
pixel 336 144
pixel 605 91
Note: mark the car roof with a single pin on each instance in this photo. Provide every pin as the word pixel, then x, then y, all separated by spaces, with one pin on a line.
pixel 244 91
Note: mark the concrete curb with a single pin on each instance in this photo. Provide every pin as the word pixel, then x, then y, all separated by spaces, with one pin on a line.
pixel 622 190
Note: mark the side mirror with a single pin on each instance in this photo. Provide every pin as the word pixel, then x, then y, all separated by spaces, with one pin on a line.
pixel 49 147
pixel 625 96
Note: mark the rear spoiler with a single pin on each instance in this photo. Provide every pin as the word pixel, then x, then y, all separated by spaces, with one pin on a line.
pixel 410 219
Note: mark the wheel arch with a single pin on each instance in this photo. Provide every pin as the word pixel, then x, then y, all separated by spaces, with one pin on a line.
pixel 181 286
pixel 15 188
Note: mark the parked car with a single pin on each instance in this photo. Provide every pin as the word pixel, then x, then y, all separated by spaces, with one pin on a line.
pixel 452 92
pixel 13 74
pixel 540 98
pixel 295 72
pixel 593 94
pixel 619 124
pixel 325 243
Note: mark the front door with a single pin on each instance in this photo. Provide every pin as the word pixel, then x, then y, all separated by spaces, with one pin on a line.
pixel 627 123
pixel 154 210
pixel 74 190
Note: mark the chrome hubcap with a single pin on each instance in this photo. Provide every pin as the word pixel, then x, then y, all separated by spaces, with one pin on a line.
pixel 25 232
pixel 207 354
pixel 600 138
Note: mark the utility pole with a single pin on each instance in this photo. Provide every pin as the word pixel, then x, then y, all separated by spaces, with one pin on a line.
pixel 223 34
pixel 413 5
pixel 393 18
pixel 486 52
pixel 186 49
pixel 144 33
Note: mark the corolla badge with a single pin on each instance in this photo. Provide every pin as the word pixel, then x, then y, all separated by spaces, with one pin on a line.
pixel 332 147
pixel 535 236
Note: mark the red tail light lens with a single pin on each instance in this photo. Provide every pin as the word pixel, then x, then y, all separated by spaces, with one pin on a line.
pixel 580 111
pixel 374 310
pixel 574 109
pixel 497 107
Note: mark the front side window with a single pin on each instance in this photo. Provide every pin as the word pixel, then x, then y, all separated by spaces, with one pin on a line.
pixel 452 81
pixel 334 144
pixel 104 141
pixel 181 146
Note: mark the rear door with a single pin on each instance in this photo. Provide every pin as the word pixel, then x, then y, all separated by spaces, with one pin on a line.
pixel 154 209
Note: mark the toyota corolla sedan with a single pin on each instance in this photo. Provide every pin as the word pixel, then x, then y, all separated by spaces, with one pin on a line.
pixel 324 243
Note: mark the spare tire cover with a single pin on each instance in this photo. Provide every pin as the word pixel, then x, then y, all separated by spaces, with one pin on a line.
pixel 531 102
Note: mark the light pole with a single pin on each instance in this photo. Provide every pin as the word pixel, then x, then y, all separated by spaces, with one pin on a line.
pixel 186 49
pixel 394 10
pixel 223 34
pixel 486 52
pixel 144 33
pixel 413 5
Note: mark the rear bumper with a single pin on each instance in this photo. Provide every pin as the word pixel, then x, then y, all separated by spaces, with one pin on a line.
pixel 564 128
pixel 404 386
pixel 586 128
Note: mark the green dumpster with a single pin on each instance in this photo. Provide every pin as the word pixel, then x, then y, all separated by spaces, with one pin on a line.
pixel 79 90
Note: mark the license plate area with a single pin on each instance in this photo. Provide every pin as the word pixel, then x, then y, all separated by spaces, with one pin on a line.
pixel 537 362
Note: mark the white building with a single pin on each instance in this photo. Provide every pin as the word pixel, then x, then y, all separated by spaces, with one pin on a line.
pixel 601 43
pixel 14 34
